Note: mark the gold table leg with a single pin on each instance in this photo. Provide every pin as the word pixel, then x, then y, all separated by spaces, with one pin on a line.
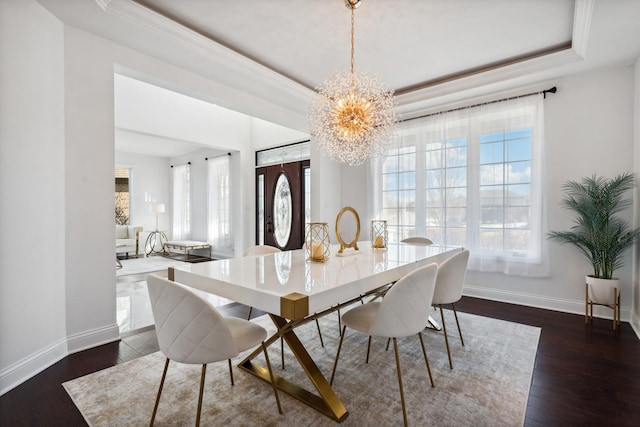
pixel 327 402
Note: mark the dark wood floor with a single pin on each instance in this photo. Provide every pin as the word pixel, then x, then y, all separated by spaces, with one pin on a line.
pixel 583 376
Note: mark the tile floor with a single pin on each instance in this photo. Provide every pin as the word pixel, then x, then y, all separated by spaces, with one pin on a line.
pixel 132 301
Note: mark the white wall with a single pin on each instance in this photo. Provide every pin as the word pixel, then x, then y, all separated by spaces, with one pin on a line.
pixel 149 184
pixel 33 328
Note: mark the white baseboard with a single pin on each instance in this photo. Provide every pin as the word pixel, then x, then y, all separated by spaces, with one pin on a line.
pixel 35 363
pixel 539 301
pixel 93 338
pixel 21 371
pixel 635 324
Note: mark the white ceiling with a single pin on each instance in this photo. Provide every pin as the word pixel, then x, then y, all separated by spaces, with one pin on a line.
pixel 268 56
pixel 406 42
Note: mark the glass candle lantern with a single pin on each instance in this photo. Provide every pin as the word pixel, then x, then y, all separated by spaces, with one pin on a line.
pixel 378 234
pixel 317 242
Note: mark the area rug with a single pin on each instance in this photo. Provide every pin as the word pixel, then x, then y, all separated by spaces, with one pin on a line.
pixel 146 265
pixel 488 386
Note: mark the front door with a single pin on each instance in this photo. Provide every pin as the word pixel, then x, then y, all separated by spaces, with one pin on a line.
pixel 280 205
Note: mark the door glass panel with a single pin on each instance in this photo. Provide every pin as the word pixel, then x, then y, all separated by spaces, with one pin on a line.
pixel 282 208
pixel 260 207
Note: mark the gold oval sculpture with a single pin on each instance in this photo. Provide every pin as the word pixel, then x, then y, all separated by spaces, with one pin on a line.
pixel 353 243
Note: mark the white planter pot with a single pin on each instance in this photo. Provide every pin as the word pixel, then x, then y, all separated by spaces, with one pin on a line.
pixel 601 290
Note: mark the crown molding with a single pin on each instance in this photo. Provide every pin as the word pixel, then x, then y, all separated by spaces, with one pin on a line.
pixel 203 46
pixel 429 96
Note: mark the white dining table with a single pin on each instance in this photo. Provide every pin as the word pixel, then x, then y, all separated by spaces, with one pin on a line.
pixel 294 291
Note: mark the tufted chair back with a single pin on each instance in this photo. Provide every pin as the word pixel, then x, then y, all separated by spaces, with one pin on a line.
pixel 189 329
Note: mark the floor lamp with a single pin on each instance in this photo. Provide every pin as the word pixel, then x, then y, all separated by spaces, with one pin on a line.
pixel 157 237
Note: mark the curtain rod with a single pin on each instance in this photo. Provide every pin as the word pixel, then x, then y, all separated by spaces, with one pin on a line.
pixel 188 163
pixel 543 92
pixel 215 157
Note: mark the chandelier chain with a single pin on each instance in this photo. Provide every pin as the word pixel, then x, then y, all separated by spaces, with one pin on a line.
pixel 353 44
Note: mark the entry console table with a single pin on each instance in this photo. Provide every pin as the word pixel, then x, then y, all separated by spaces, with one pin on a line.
pixel 294 292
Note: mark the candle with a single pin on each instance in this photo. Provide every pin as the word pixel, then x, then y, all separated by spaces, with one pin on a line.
pixel 378 242
pixel 317 252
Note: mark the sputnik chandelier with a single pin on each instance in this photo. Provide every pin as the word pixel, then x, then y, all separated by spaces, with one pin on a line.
pixel 353 115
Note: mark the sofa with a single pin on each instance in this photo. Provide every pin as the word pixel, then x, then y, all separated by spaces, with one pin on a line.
pixel 128 239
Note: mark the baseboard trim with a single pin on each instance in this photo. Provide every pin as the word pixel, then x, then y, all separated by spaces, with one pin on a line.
pixel 93 338
pixel 539 301
pixel 24 369
pixel 635 324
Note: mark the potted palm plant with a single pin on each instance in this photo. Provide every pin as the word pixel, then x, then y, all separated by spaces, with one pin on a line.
pixel 598 233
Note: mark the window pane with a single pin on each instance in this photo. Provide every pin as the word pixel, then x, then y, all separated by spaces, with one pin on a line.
pixel 407 180
pixel 517 217
pixel 518 172
pixel 492 153
pixel 491 174
pixel 492 195
pixel 456 197
pixel 456 177
pixel 491 217
pixel 456 217
pixel 435 178
pixel 519 149
pixel 435 217
pixel 434 159
pixel 407 162
pixel 390 182
pixel 435 198
pixel 518 195
pixel 456 157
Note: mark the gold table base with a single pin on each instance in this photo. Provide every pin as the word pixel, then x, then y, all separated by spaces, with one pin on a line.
pixel 326 401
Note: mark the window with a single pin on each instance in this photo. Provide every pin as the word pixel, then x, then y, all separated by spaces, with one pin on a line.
pixel 469 178
pixel 182 202
pixel 219 204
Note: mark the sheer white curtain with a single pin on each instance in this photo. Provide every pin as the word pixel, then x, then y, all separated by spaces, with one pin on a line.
pixel 219 205
pixel 182 202
pixel 471 178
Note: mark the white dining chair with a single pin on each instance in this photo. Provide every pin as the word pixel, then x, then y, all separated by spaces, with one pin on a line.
pixel 402 312
pixel 417 241
pixel 451 274
pixel 190 330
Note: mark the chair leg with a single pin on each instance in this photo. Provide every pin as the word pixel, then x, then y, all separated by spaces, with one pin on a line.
pixel 368 348
pixel 204 372
pixel 446 338
pixel 404 410
pixel 388 342
pixel 273 380
pixel 282 351
pixel 455 313
pixel 335 363
pixel 340 321
pixel 319 333
pixel 426 359
pixel 250 310
pixel 230 372
pixel 155 407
